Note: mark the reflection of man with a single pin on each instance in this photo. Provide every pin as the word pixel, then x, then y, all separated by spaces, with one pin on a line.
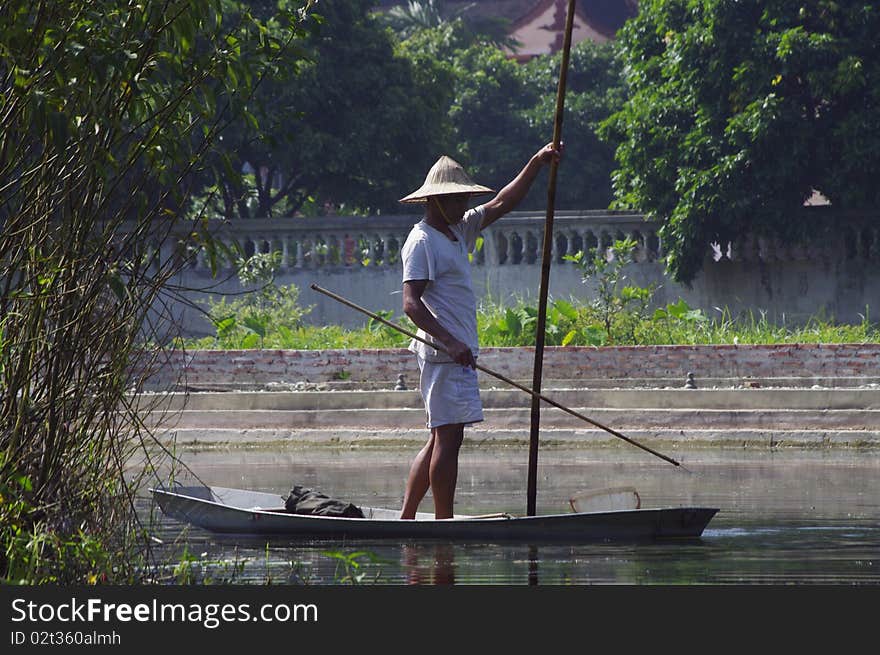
pixel 441 572
pixel 444 564
pixel 439 299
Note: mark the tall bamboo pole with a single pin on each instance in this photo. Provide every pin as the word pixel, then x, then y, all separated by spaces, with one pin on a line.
pixel 545 270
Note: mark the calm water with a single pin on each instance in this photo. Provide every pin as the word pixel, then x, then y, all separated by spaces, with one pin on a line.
pixel 785 517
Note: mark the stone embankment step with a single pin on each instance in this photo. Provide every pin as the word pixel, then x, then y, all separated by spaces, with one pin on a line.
pixel 845 415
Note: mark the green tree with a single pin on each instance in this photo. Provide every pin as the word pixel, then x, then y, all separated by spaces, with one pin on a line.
pixel 499 110
pixel 336 126
pixel 107 109
pixel 431 53
pixel 488 114
pixel 484 97
pixel 738 111
pixel 593 92
pixel 413 16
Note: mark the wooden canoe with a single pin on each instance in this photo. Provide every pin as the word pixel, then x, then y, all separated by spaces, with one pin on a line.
pixel 237 511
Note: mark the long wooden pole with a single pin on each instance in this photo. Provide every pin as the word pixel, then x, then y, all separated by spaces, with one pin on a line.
pixel 535 395
pixel 534 436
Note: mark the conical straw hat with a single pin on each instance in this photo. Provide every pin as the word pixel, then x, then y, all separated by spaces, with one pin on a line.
pixel 445 176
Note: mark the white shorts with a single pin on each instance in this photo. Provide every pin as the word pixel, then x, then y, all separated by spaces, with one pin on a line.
pixel 451 393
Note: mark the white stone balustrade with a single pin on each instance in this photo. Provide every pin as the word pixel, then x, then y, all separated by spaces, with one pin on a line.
pixel 837 273
pixel 375 242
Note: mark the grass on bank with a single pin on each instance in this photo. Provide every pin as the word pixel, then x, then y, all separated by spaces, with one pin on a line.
pixel 568 322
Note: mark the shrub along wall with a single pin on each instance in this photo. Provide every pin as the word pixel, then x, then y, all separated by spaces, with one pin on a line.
pixel 213 369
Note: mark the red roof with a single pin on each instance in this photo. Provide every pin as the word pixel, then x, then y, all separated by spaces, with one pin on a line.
pixel 602 17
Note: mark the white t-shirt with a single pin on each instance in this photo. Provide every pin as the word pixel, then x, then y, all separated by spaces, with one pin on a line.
pixel 428 254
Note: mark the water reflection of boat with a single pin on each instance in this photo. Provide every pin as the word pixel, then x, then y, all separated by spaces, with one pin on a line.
pixel 238 511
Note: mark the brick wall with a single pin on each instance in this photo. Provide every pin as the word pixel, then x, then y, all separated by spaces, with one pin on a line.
pixel 215 368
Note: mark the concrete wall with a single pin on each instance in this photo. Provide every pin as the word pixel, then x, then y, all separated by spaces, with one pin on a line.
pixel 585 365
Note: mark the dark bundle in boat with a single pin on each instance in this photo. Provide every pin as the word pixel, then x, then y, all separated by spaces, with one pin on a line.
pixel 309 501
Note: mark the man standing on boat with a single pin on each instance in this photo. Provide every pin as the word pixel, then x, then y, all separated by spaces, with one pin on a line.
pixel 439 299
